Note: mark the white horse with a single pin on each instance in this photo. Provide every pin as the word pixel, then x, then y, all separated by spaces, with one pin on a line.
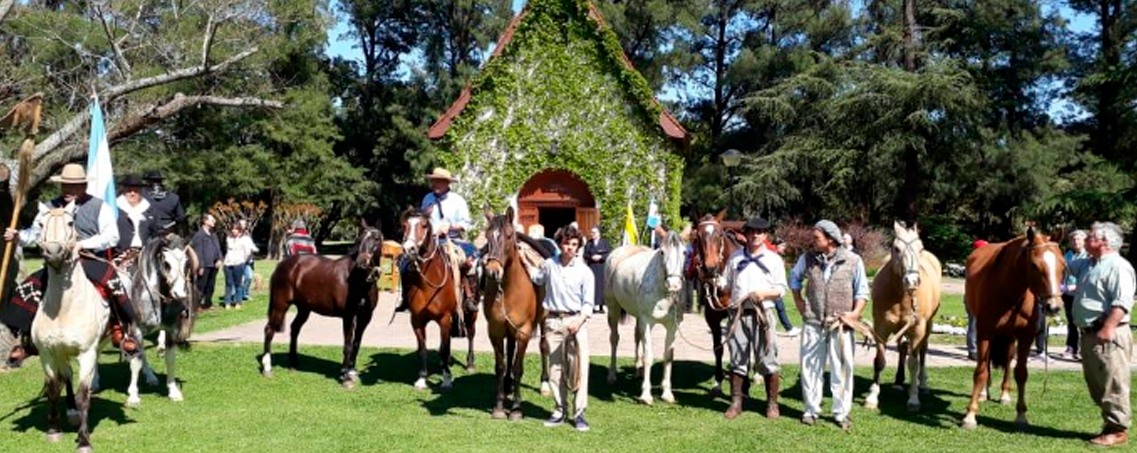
pixel 69 324
pixel 645 283
pixel 160 294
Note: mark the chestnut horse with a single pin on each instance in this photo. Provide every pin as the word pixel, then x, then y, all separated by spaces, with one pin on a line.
pixel 344 288
pixel 513 311
pixel 1004 283
pixel 711 247
pixel 432 292
pixel 905 299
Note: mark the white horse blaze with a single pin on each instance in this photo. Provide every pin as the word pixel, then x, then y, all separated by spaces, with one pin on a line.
pixel 1051 264
pixel 412 226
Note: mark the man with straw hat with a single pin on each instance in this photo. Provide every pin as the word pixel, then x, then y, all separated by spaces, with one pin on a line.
pixel 449 219
pixel 97 234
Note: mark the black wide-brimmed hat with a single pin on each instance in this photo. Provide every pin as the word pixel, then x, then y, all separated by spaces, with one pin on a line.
pixel 131 181
pixel 756 224
pixel 154 175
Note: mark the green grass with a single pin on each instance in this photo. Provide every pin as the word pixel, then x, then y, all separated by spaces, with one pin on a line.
pixel 230 408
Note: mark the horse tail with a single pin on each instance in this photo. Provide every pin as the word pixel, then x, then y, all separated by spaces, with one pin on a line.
pixel 1000 351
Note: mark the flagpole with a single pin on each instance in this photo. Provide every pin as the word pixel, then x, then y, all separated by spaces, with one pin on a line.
pixel 25 163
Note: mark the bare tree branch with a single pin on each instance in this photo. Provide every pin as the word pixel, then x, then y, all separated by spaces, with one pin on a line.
pixel 207 43
pixel 130 126
pixel 5 7
pixel 121 63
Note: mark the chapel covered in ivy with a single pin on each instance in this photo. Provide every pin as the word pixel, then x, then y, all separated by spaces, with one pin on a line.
pixel 560 125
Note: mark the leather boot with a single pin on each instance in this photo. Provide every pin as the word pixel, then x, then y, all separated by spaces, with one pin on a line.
pixel 1111 436
pixel 735 397
pixel 116 335
pixel 773 382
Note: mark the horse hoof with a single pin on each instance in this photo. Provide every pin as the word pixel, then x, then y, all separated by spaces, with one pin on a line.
pixel 86 449
pixel 73 417
pixel 515 415
pixel 716 392
pixel 546 389
pixel 420 384
pixel 470 369
pixel 668 398
pixel 498 414
pixel 54 436
pixel 1021 424
pixel 871 404
pixel 969 423
pixel 176 397
pixel 647 400
pixel 1005 400
pixel 913 408
pixel 611 379
pixel 267 374
pixel 348 384
pixel 134 401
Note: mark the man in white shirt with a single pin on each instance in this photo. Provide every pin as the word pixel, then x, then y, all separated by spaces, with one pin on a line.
pixel 569 287
pixel 755 277
pixel 449 219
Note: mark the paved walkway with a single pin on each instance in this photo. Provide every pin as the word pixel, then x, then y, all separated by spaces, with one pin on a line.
pixel 694 342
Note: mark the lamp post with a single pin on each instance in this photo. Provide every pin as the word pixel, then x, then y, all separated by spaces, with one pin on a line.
pixel 730 159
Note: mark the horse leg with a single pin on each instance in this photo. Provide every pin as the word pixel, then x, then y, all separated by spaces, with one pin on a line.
pixel 294 336
pixel 275 323
pixel 499 373
pixel 518 370
pixel 420 337
pixel 348 341
pixel 88 360
pixel 362 320
pixel 979 381
pixel 136 365
pixel 919 342
pixel 715 325
pixel 471 325
pixel 639 355
pixel 54 386
pixel 668 358
pixel 507 366
pixel 1021 374
pixel 872 401
pixel 645 389
pixel 613 341
pixel 546 388
pixel 444 351
pixel 902 349
pixel 175 393
pixel 1005 388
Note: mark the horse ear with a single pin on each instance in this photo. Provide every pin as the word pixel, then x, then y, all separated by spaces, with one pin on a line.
pixel 1030 234
pixel 721 215
pixel 486 211
pixel 898 226
pixel 509 214
pixel 363 223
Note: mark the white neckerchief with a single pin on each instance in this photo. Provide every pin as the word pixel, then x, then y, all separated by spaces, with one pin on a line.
pixel 136 214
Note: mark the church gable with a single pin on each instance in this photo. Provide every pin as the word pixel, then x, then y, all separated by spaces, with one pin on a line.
pixel 559 94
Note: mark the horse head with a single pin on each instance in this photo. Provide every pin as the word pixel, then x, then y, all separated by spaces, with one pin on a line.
pixel 709 246
pixel 58 237
pixel 417 234
pixel 175 264
pixel 501 238
pixel 906 250
pixel 368 247
pixel 672 249
pixel 1047 266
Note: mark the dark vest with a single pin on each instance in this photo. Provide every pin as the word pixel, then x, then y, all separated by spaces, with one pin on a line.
pixel 86 214
pixel 828 299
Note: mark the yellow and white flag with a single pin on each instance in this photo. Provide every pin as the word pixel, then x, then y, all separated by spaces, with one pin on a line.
pixel 630 233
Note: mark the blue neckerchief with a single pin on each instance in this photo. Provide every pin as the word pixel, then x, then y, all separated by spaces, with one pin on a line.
pixel 747 259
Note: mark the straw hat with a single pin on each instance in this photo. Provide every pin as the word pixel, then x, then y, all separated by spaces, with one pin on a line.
pixel 441 173
pixel 71 174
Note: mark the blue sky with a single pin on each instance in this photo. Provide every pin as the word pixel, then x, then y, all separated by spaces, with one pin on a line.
pixel 341 46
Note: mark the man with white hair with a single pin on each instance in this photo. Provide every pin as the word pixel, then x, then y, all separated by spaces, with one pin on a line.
pixel 1102 302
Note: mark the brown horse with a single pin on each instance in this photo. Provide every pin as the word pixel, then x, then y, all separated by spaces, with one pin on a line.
pixel 1004 282
pixel 343 288
pixel 513 311
pixel 711 246
pixel 434 296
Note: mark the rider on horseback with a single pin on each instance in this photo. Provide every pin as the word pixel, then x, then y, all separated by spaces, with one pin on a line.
pixel 449 219
pixel 98 235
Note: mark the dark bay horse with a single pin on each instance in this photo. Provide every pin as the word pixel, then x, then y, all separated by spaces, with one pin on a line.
pixel 1005 281
pixel 434 293
pixel 343 288
pixel 513 311
pixel 711 247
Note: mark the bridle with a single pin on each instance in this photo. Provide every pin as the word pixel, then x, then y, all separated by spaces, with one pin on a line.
pixel 910 258
pixel 707 287
pixel 1057 253
pixel 368 255
pixel 418 261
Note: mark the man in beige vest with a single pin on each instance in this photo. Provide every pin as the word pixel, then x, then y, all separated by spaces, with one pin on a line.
pixel 835 298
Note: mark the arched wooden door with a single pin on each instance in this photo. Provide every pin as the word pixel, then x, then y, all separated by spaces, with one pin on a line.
pixel 555 198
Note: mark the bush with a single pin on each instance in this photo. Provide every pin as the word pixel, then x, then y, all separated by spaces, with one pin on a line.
pixel 871 243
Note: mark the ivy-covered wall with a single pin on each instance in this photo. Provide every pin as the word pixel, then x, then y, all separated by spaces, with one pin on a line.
pixel 559 97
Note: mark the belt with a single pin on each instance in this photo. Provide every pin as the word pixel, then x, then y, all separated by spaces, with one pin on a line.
pixel 560 314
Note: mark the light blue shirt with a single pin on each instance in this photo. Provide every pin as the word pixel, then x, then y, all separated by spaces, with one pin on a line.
pixel 454 211
pixel 1107 283
pixel 568 289
pixel 860 281
pixel 1076 265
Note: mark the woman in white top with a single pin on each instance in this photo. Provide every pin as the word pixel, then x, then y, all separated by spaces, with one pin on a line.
pixel 239 248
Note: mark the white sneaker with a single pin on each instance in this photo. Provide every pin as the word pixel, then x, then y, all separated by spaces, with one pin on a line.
pixel 793 332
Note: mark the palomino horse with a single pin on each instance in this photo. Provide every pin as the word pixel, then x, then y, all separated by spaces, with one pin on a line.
pixel 711 248
pixel 905 299
pixel 69 323
pixel 342 288
pixel 160 293
pixel 513 311
pixel 433 292
pixel 1004 283
pixel 645 284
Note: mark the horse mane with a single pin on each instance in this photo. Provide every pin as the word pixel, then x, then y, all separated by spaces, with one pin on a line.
pixel 536 244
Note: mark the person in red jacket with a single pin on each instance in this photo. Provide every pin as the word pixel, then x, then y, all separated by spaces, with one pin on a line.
pixel 299 241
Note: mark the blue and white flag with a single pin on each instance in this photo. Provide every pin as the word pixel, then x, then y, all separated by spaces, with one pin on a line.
pixel 653 220
pixel 100 175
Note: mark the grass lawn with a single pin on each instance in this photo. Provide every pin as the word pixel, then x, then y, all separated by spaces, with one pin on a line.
pixel 230 408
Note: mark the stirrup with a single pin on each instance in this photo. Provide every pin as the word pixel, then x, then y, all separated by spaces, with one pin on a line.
pixel 130 354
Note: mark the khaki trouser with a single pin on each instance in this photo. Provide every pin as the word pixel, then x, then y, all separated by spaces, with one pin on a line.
pixel 835 347
pixel 1106 369
pixel 568 356
pixel 753 338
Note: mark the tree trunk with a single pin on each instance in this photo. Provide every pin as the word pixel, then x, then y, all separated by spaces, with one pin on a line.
pixel 911 36
pixel 907 207
pixel 1109 100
